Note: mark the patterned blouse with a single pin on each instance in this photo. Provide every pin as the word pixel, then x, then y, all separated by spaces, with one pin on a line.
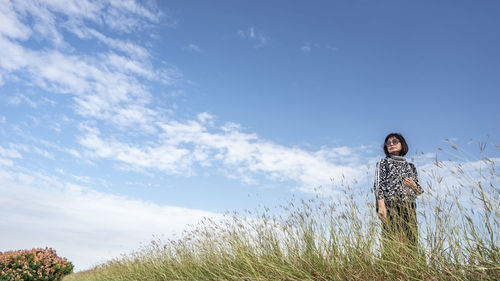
pixel 389 177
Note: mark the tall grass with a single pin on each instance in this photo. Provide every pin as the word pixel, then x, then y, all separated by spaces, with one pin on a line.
pixel 321 239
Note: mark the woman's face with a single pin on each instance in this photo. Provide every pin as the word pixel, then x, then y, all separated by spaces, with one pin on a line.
pixel 393 146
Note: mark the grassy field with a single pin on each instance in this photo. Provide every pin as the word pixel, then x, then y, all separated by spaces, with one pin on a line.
pixel 324 239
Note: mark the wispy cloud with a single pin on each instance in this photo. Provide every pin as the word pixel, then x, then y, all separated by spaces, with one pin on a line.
pixel 165 157
pixel 193 48
pixel 12 26
pixel 104 85
pixel 182 146
pixel 252 35
pixel 306 48
pixel 332 48
pixel 116 96
pixel 123 16
pixel 20 98
pixel 7 155
pixel 127 47
pixel 309 47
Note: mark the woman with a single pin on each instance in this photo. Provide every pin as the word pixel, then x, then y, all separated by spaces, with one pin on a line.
pixel 396 188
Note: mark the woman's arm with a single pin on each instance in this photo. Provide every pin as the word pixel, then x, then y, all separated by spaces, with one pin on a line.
pixel 381 210
pixel 380 186
pixel 381 181
pixel 413 182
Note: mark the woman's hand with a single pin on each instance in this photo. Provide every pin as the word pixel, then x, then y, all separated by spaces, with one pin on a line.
pixel 382 211
pixel 408 182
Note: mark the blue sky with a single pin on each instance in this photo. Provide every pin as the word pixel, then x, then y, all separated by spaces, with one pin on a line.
pixel 131 119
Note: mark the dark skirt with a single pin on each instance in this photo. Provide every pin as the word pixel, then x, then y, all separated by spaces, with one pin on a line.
pixel 401 223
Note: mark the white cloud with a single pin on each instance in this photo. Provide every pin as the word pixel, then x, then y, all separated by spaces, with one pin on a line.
pixel 127 47
pixel 128 16
pixel 43 152
pixel 306 48
pixel 114 96
pixel 73 152
pixel 86 226
pixel 309 47
pixel 182 146
pixel 10 25
pixel 44 26
pixel 206 118
pixel 253 35
pixel 20 98
pixel 193 48
pixel 13 56
pixel 164 157
pixel 123 16
pixel 104 85
pixel 332 48
pixel 9 153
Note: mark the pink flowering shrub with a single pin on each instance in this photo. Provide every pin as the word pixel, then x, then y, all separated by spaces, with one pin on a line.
pixel 33 265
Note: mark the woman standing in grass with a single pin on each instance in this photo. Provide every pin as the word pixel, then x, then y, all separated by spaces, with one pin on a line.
pixel 396 188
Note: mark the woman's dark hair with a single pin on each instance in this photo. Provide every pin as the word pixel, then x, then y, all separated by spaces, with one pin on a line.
pixel 404 145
